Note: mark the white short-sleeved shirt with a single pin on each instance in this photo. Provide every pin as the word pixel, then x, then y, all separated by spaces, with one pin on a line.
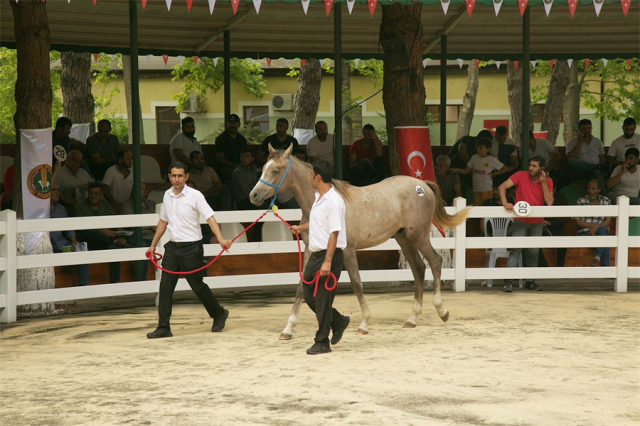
pixel 481 168
pixel 185 143
pixel 182 213
pixel 64 179
pixel 588 153
pixel 495 146
pixel 629 184
pixel 327 216
pixel 543 148
pixel 119 186
pixel 620 146
pixel 322 150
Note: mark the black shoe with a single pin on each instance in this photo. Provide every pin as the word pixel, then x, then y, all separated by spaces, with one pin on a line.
pixel 339 331
pixel 219 321
pixel 319 348
pixel 160 333
pixel 508 288
pixel 532 286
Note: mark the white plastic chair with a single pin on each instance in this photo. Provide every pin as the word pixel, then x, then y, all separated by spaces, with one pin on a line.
pixel 230 230
pixel 499 226
pixel 156 196
pixel 150 170
pixel 5 163
pixel 276 231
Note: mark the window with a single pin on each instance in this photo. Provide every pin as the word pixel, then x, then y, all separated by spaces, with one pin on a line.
pixel 167 124
pixel 257 116
pixel 453 112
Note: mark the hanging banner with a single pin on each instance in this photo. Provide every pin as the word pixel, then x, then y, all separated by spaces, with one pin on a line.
pixel 597 5
pixel 80 132
pixel 572 6
pixel 445 5
pixel 212 4
pixel 327 6
pixel 305 6
pixel 547 6
pixel 629 63
pixel 215 62
pixel 234 6
pixel 189 4
pixel 268 62
pixel 168 4
pixel 165 58
pixel 414 152
pixel 303 62
pixel 497 4
pixel 533 64
pixel 36 146
pixel 569 62
pixel 95 57
pixel 522 4
pixel 144 3
pixel 356 62
pixel 604 61
pixel 586 63
pixel 498 64
pixel 460 62
pixel 195 60
pixel 256 5
pixel 350 4
pixel 470 4
pixel 372 6
pixel 515 64
pixel 551 62
pixel 625 6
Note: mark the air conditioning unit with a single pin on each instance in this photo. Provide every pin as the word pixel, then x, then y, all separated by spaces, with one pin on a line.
pixel 282 102
pixel 192 105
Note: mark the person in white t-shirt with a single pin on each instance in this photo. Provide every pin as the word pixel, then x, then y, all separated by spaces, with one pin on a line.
pixel 117 183
pixel 320 147
pixel 629 139
pixel 184 142
pixel 327 238
pixel 586 154
pixel 625 179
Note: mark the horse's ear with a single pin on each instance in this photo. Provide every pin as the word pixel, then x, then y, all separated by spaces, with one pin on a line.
pixel 287 152
pixel 271 150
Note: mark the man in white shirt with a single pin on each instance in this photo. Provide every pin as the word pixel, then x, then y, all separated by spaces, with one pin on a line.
pixel 327 238
pixel 181 212
pixel 117 183
pixel 625 179
pixel 586 154
pixel 629 139
pixel 73 181
pixel 320 147
pixel 183 143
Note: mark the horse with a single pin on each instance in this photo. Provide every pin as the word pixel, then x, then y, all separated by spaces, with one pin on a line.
pixel 401 207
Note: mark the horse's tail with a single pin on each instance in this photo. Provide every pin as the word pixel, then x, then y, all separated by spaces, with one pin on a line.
pixel 343 188
pixel 440 216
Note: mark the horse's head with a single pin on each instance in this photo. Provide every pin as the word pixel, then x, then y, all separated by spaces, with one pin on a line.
pixel 273 173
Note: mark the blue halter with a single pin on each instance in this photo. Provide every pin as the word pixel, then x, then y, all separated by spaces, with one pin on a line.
pixel 277 187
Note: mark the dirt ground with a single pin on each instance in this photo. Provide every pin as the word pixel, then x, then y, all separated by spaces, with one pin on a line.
pixel 545 358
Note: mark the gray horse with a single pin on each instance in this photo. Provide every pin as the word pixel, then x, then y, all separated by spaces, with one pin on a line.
pixel 400 207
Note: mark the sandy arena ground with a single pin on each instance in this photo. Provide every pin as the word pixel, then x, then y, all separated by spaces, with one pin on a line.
pixel 547 358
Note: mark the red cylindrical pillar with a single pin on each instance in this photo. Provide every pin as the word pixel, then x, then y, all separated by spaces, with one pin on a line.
pixel 414 152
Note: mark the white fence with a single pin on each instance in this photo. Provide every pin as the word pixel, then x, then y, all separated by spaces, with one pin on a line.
pixel 10 298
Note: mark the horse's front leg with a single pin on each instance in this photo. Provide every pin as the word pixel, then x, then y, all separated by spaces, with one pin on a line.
pixel 287 333
pixel 351 262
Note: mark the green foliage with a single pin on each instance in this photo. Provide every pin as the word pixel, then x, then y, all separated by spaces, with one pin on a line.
pixel 103 75
pixel 205 77
pixel 250 131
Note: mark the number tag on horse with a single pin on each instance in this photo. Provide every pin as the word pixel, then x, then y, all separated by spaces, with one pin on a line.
pixel 59 153
pixel 522 208
pixel 420 190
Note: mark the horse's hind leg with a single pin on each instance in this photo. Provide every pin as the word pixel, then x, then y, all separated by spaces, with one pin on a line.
pixel 287 333
pixel 417 268
pixel 351 262
pixel 435 262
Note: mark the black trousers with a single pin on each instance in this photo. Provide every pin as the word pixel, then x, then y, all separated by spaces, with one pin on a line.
pixel 184 257
pixel 328 317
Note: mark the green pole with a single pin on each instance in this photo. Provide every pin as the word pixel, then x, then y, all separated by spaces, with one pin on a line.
pixel 526 91
pixel 443 90
pixel 337 41
pixel 227 75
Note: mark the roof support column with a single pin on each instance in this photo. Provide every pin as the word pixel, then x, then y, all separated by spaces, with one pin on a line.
pixel 227 76
pixel 443 90
pixel 337 41
pixel 526 90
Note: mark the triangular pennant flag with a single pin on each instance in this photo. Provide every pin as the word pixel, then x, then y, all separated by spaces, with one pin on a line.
pixel 586 63
pixel 477 62
pixel 625 6
pixel 256 5
pixel 516 63
pixel 144 3
pixel 305 6
pixel 356 62
pixel 569 62
pixel 498 64
pixel 470 4
pixel 212 4
pixel 95 57
pixel 148 58
pixel 327 6
pixel 597 5
pixel 215 62
pixel 234 6
pixel 168 4
pixel 268 62
pixel 286 62
pixel 551 62
pixel 572 6
pixel 181 59
pixel 424 63
pixel 303 62
pixel 94 2
pixel 460 62
pixel 195 60
pixel 350 4
pixel 68 1
pixel 547 6
pixel 496 6
pixel 629 63
pixel 372 6
pixel 165 58
pixel 604 61
pixel 189 4
pixel 522 4
pixel 445 5
pixel 533 64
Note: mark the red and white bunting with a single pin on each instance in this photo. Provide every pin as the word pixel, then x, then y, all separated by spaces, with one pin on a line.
pixel 168 4
pixel 547 6
pixel 305 6
pixel 569 62
pixel 498 63
pixel 256 5
pixel 477 62
pixel 597 5
pixel 445 5
pixel 497 4
pixel 625 6
pixel 522 4
pixel 165 58
pixel 533 64
pixel 189 4
pixel 572 6
pixel 551 62
pixel 604 61
pixel 629 63
pixel 470 4
pixel 350 4
pixel 327 6
pixel 586 63
pixel 215 62
pixel 180 59
pixel 372 6
pixel 356 62
pixel 234 6
pixel 144 3
pixel 516 63
pixel 94 2
pixel 460 62
pixel 95 57
pixel 212 4
pixel 303 62
pixel 195 60
pixel 268 62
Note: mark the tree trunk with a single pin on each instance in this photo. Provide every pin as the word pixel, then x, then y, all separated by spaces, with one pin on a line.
pixel 468 101
pixel 403 95
pixel 126 75
pixel 555 97
pixel 347 119
pixel 33 111
pixel 571 114
pixel 514 87
pixel 308 96
pixel 75 82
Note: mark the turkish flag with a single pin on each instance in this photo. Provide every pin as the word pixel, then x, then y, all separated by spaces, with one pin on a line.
pixel 414 152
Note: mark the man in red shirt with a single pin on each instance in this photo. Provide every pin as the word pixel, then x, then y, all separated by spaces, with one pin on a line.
pixel 365 158
pixel 535 188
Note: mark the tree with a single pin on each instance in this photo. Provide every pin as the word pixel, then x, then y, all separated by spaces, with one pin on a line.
pixel 555 99
pixel 308 95
pixel 403 83
pixel 126 74
pixel 75 82
pixel 468 101
pixel 347 103
pixel 571 111
pixel 514 88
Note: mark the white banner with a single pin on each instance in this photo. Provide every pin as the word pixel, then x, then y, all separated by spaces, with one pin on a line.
pixel 80 132
pixel 36 153
pixel 303 135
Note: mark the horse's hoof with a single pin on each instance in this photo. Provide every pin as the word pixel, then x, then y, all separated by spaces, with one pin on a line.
pixel 445 318
pixel 409 325
pixel 285 336
pixel 361 332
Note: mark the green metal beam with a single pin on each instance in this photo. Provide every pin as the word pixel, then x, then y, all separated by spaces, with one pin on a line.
pixel 227 75
pixel 443 91
pixel 526 89
pixel 337 110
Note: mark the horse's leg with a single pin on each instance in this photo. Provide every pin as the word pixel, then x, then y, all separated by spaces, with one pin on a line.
pixel 351 262
pixel 287 333
pixel 423 244
pixel 417 268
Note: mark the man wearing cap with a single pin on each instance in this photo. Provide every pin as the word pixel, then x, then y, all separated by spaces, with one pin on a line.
pixel 229 144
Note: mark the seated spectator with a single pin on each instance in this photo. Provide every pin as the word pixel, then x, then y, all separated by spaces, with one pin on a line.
pixel 321 146
pixel 73 181
pixel 595 225
pixel 101 149
pixel 244 179
pixel 229 144
pixel 504 148
pixel 279 140
pixel 539 147
pixel 629 139
pixel 7 194
pixel 146 207
pixel 100 239
pixel 484 168
pixel 60 239
pixel 625 179
pixel 118 180
pixel 555 225
pixel 366 165
pixel 462 151
pixel 208 182
pixel 449 183
pixel 586 154
pixel 300 155
pixel 184 142
pixel 60 135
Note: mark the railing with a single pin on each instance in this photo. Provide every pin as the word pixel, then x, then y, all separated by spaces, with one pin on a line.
pixel 10 298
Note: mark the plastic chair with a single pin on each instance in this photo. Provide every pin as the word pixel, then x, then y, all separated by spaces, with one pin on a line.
pixel 230 230
pixel 499 226
pixel 5 163
pixel 150 170
pixel 572 193
pixel 156 196
pixel 276 231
